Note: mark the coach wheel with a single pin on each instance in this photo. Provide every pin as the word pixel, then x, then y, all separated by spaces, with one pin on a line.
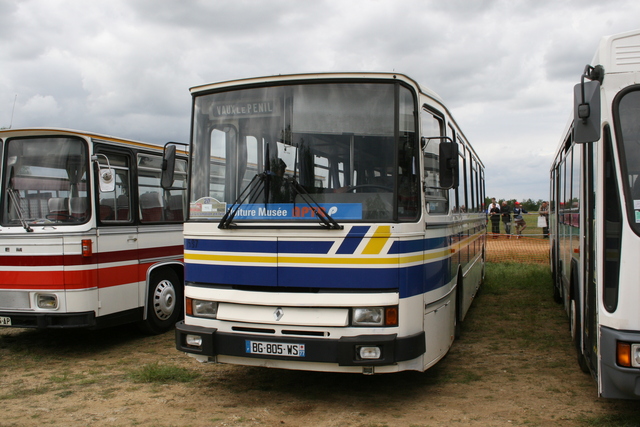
pixel 164 301
pixel 574 323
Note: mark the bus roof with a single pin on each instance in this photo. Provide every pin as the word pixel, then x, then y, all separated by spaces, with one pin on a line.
pixel 289 78
pixel 619 53
pixel 48 131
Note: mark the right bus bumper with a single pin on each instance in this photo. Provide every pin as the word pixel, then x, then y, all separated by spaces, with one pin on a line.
pixel 617 382
pixel 341 351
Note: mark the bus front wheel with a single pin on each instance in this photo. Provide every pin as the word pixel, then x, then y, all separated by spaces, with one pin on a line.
pixel 164 302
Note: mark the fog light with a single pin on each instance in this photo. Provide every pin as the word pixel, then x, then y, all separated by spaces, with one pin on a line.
pixel 194 340
pixel 369 352
pixel 47 301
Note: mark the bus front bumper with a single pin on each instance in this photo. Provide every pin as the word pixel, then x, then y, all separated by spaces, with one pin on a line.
pixel 48 320
pixel 344 351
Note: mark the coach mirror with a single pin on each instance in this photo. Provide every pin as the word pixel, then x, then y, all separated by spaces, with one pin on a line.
pixel 448 158
pixel 168 166
pixel 586 106
pixel 106 176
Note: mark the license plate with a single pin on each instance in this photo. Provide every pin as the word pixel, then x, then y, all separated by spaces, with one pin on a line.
pixel 5 321
pixel 274 348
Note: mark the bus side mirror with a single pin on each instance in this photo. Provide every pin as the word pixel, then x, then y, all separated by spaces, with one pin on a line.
pixel 448 163
pixel 586 112
pixel 107 180
pixel 106 175
pixel 168 166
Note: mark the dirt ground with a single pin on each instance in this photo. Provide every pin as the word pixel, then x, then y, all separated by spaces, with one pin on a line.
pixel 492 376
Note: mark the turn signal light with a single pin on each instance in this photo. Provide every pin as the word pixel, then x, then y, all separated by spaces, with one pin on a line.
pixel 623 354
pixel 87 249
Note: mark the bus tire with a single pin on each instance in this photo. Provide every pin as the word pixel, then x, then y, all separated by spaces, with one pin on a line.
pixel 164 301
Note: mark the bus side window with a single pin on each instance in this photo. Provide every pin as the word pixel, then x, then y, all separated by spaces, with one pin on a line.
pixel 115 206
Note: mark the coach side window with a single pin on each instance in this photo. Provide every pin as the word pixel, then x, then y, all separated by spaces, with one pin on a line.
pixel 115 206
pixel 155 203
pixel 436 200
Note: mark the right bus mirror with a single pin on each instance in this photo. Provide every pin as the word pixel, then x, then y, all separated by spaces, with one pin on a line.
pixel 586 112
pixel 448 158
pixel 168 166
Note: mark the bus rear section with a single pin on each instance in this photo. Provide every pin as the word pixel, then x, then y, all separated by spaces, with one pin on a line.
pixel 81 248
pixel 328 229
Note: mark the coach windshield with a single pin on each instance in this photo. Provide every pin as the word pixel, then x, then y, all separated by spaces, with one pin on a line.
pixel 628 112
pixel 45 181
pixel 349 146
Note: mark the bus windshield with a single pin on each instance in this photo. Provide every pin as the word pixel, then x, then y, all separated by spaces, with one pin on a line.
pixel 629 122
pixel 45 181
pixel 351 147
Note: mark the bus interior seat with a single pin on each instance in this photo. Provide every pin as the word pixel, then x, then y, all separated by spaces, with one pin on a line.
pixel 122 208
pixel 106 209
pixel 78 207
pixel 151 207
pixel 58 208
pixel 175 208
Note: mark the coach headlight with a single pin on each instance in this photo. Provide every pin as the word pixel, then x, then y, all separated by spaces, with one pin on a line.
pixel 635 355
pixel 49 301
pixel 374 316
pixel 201 308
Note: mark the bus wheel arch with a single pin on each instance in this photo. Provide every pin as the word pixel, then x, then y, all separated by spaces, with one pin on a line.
pixel 164 299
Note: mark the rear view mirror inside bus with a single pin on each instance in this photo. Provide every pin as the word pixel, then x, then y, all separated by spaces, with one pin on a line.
pixel 586 112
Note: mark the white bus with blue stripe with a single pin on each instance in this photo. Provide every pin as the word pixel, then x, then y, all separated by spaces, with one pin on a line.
pixel 336 223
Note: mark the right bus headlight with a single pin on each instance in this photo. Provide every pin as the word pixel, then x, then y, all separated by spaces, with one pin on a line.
pixel 374 316
pixel 201 308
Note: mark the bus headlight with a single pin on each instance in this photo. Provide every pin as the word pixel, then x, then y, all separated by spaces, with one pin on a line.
pixel 374 316
pixel 48 301
pixel 368 316
pixel 635 355
pixel 202 308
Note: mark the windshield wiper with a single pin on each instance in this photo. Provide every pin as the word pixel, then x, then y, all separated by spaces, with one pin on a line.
pixel 15 199
pixel 251 191
pixel 326 219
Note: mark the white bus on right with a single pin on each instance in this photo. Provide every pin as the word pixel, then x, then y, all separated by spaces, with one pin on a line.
pixel 595 218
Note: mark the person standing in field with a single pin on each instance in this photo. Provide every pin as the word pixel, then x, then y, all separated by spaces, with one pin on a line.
pixel 520 224
pixel 505 214
pixel 544 214
pixel 494 215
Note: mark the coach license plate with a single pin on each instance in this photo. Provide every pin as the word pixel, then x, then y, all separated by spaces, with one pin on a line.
pixel 5 321
pixel 274 348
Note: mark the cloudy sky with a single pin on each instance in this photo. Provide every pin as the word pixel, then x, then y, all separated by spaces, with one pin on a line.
pixel 506 68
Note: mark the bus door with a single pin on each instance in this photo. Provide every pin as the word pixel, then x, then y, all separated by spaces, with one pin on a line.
pixel 117 237
pixel 590 335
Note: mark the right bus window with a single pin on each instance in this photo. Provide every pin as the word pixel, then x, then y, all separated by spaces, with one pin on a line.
pixel 628 132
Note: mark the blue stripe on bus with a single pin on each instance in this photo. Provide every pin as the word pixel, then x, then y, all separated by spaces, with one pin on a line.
pixel 304 247
pixel 409 281
pixel 352 240
pixel 255 246
pixel 411 246
pixel 231 275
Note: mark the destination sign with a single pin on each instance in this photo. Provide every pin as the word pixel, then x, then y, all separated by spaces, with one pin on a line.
pixel 244 109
